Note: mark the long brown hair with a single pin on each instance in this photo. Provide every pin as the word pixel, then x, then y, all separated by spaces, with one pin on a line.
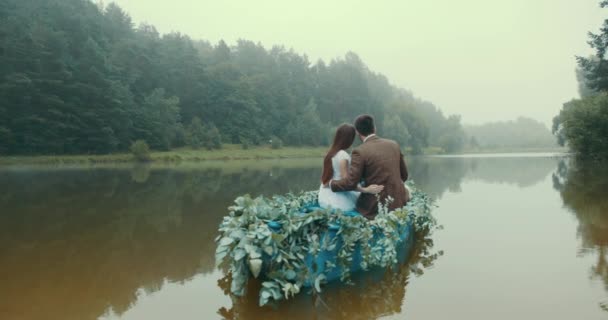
pixel 344 138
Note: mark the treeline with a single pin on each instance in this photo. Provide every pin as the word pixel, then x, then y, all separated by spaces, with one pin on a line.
pixel 77 77
pixel 582 124
pixel 520 133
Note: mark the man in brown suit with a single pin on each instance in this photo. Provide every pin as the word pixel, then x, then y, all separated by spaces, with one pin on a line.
pixel 376 161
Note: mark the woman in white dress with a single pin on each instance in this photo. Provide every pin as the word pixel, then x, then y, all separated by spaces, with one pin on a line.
pixel 335 167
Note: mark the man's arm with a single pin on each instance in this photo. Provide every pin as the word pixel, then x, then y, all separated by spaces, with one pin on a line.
pixel 349 183
pixel 403 168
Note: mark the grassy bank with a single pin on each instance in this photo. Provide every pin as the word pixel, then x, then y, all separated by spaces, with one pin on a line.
pixel 514 150
pixel 228 152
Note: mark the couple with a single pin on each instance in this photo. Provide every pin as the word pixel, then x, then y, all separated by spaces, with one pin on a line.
pixel 376 167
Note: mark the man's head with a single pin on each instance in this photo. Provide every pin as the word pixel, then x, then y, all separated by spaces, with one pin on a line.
pixel 365 125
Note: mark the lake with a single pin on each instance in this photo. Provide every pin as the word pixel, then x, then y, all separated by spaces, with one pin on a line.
pixel 523 236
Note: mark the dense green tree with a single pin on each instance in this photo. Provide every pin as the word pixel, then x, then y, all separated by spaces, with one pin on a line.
pixel 140 150
pixel 584 89
pixel 195 133
pixel 158 119
pixel 582 124
pixel 417 128
pixel 394 128
pixel 452 138
pixel 214 139
pixel 306 128
pixel 596 67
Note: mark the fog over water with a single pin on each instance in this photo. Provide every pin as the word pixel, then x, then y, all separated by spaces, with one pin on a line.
pixel 486 60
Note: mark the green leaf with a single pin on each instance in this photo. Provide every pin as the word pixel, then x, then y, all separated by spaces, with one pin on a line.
pixel 226 241
pixel 219 258
pixel 268 250
pixel 239 254
pixel 318 281
pixel 276 293
pixel 290 274
pixel 264 297
pixel 255 265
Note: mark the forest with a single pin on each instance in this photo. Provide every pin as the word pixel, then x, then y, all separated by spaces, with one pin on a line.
pixel 79 77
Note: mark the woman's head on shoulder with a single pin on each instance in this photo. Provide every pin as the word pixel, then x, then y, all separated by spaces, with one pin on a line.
pixel 344 137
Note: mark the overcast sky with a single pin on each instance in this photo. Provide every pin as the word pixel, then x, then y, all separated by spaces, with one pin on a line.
pixel 486 60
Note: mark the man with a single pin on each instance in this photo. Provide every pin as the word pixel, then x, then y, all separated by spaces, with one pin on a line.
pixel 376 161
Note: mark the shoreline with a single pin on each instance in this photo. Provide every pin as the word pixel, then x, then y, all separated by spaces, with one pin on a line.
pixel 227 153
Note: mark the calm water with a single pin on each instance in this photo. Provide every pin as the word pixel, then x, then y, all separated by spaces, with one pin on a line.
pixel 523 238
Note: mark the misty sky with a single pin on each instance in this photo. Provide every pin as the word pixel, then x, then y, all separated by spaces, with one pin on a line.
pixel 484 59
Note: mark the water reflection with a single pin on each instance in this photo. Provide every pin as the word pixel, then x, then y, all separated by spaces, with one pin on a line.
pixel 373 294
pixel 77 242
pixel 583 187
pixel 74 243
pixel 437 175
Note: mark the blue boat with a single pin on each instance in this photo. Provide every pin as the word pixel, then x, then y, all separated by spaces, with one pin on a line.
pixel 289 242
pixel 317 264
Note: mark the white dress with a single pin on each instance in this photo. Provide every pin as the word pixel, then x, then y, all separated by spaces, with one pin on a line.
pixel 344 201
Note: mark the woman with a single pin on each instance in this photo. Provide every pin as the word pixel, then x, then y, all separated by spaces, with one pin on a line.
pixel 335 167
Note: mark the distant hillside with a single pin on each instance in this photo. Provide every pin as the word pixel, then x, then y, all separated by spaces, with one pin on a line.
pixel 520 133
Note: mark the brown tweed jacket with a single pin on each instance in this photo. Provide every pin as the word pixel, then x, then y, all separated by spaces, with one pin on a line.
pixel 376 161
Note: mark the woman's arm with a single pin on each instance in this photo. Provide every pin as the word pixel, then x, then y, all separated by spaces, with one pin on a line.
pixel 343 168
pixel 373 189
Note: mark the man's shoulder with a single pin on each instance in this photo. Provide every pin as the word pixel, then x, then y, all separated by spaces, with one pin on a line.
pixel 372 147
pixel 361 149
pixel 388 142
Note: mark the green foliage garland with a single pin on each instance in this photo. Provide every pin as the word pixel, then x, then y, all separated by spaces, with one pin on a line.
pixel 248 245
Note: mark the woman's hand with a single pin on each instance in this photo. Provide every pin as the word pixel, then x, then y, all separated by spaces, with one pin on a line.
pixel 373 189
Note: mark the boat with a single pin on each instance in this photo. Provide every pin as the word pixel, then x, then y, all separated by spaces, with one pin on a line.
pixel 289 242
pixel 317 264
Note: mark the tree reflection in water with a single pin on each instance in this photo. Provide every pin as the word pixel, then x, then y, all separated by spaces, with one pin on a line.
pixel 583 186
pixel 75 243
pixel 437 175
